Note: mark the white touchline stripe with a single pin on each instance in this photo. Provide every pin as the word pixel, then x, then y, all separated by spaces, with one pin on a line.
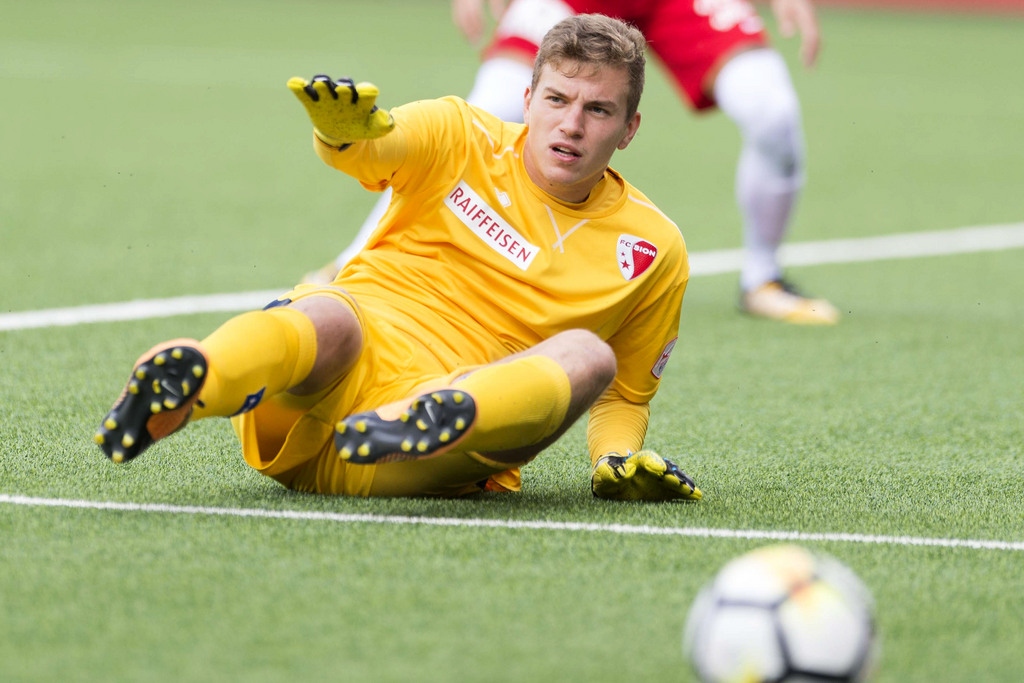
pixel 636 530
pixel 139 309
pixel 902 246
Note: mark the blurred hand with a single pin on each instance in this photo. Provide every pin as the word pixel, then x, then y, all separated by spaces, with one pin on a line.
pixel 798 16
pixel 468 16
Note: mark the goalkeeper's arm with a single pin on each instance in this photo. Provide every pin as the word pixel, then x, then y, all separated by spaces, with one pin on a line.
pixel 342 111
pixel 616 425
pixel 622 470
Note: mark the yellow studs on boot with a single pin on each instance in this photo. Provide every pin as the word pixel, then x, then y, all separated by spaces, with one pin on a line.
pixel 429 425
pixel 156 401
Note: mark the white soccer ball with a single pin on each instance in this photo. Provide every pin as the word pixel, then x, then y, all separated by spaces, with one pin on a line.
pixel 782 613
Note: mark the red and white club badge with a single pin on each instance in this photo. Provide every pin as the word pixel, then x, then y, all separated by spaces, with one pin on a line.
pixel 635 256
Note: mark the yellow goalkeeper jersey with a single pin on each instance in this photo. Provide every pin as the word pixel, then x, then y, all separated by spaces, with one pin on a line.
pixel 475 261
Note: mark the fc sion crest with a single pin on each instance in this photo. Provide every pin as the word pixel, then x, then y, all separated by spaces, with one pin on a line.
pixel 635 256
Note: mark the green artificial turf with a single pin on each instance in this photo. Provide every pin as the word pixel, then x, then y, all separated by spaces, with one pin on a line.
pixel 152 150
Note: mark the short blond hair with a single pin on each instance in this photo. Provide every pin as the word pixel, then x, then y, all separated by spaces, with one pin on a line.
pixel 594 39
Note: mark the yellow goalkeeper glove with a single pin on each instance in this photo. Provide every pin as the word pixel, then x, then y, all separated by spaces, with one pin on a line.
pixel 342 112
pixel 644 475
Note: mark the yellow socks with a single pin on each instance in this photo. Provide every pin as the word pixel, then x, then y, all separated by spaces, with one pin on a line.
pixel 254 356
pixel 518 403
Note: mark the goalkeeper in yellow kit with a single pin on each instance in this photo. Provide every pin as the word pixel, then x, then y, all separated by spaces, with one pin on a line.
pixel 515 283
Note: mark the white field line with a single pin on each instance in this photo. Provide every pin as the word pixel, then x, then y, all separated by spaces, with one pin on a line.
pixel 902 246
pixel 626 529
pixel 140 309
pixel 886 247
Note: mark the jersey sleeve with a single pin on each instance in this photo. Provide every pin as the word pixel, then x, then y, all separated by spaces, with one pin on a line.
pixel 425 150
pixel 643 343
pixel 616 425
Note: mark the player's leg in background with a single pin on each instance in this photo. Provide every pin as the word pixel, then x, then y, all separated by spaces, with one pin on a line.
pixel 754 90
pixel 507 69
pixel 500 86
pixel 719 56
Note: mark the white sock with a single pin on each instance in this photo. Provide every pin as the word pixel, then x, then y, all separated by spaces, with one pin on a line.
pixel 754 90
pixel 500 88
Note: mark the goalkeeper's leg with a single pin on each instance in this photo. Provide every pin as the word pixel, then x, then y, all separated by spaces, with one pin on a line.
pixel 507 411
pixel 302 348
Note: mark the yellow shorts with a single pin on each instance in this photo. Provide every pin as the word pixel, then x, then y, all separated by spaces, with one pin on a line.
pixel 291 438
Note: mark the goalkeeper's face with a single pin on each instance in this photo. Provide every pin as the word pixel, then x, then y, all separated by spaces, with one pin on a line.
pixel 577 119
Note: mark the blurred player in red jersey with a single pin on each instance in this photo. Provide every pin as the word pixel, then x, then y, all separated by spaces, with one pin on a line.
pixel 717 53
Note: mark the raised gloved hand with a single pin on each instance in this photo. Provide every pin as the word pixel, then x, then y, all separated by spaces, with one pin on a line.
pixel 342 111
pixel 644 475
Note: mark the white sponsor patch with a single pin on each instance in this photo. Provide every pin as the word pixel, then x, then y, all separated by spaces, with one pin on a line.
pixel 486 224
pixel 659 367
